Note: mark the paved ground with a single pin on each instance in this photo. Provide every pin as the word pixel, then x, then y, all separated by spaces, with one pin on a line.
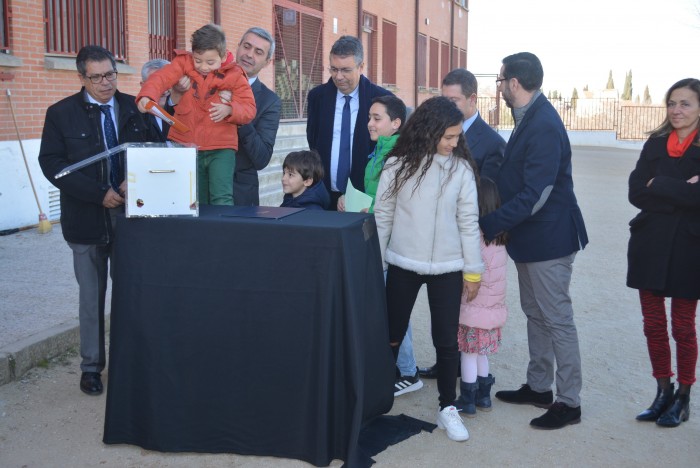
pixel 46 421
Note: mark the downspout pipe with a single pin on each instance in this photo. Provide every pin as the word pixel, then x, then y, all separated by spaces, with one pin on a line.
pixel 415 55
pixel 216 7
pixel 360 22
pixel 452 35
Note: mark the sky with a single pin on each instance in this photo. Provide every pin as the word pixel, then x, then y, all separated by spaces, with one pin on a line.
pixel 580 42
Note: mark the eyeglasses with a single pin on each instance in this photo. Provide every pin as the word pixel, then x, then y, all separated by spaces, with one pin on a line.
pixel 97 79
pixel 342 71
pixel 498 80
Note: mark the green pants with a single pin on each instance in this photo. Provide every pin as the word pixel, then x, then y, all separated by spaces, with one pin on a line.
pixel 215 176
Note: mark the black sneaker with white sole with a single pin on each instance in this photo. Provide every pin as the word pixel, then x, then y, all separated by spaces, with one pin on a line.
pixel 406 384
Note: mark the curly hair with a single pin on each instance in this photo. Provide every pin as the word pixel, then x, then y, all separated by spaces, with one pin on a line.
pixel 419 139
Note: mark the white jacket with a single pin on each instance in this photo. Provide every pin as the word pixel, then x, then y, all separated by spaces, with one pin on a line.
pixel 435 229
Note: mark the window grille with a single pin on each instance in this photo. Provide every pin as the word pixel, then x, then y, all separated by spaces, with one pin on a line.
pixel 72 24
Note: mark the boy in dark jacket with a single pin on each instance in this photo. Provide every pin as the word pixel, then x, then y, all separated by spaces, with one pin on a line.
pixel 302 181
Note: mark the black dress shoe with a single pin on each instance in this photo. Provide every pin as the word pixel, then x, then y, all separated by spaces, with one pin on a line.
pixel 526 396
pixel 678 412
pixel 557 416
pixel 428 372
pixel 664 399
pixel 91 383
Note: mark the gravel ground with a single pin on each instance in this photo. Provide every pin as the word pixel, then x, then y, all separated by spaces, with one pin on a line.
pixel 45 421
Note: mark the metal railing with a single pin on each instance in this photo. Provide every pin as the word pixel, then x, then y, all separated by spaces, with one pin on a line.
pixel 72 24
pixel 162 27
pixel 628 121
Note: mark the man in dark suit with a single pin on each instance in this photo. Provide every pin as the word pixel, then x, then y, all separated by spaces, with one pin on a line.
pixel 96 118
pixel 256 140
pixel 545 229
pixel 485 144
pixel 326 106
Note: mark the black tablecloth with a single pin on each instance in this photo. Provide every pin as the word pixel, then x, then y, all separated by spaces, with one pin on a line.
pixel 252 336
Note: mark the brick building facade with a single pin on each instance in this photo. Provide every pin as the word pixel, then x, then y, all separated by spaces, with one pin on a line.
pixel 406 41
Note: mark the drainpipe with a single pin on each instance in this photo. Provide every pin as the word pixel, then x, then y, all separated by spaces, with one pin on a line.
pixel 452 35
pixel 415 56
pixel 360 22
pixel 217 12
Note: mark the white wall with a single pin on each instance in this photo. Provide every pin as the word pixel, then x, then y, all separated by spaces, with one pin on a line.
pixel 17 204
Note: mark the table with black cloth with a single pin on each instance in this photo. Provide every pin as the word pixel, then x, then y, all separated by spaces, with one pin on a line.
pixel 247 335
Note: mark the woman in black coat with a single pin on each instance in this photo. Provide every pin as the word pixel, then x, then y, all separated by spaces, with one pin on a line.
pixel 664 248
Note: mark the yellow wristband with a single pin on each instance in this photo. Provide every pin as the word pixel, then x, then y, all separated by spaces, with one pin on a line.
pixel 472 277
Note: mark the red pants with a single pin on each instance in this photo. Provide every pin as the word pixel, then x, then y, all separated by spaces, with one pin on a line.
pixel 682 329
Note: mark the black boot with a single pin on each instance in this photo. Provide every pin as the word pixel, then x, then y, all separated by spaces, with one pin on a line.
pixel 678 412
pixel 483 393
pixel 664 398
pixel 465 402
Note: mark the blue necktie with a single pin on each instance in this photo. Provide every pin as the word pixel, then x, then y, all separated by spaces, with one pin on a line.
pixel 344 157
pixel 111 137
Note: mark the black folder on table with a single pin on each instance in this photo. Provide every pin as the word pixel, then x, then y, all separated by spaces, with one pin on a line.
pixel 268 212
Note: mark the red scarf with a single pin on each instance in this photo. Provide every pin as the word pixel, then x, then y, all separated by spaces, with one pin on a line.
pixel 675 148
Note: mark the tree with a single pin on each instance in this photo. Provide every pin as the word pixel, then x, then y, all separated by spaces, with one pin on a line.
pixel 647 96
pixel 574 97
pixel 627 90
pixel 585 88
pixel 555 94
pixel 611 83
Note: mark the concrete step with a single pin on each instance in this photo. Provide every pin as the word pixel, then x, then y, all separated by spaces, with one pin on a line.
pixel 292 128
pixel 289 143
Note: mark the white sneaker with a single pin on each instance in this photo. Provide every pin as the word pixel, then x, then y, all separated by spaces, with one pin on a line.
pixel 449 420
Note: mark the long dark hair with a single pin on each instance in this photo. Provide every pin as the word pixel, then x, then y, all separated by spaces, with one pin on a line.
pixel 666 128
pixel 489 201
pixel 420 137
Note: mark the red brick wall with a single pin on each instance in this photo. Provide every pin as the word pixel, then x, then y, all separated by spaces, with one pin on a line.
pixel 346 13
pixel 34 87
pixel 401 13
pixel 440 16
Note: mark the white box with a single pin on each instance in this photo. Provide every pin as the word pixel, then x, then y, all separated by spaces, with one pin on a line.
pixel 161 181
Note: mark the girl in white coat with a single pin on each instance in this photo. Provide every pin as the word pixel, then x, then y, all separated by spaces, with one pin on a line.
pixel 428 224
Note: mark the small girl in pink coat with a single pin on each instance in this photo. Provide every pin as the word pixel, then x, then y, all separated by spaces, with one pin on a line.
pixel 481 319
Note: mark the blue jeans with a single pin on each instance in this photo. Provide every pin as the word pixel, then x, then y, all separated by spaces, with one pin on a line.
pixel 407 361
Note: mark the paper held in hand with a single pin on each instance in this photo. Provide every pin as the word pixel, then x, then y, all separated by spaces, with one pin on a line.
pixel 159 112
pixel 356 201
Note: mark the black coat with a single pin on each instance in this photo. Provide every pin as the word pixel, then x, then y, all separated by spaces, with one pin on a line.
pixel 313 198
pixel 256 142
pixel 319 127
pixel 486 146
pixel 73 132
pixel 664 248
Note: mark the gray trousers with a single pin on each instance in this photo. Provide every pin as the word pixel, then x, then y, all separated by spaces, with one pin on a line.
pixel 90 263
pixel 551 332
